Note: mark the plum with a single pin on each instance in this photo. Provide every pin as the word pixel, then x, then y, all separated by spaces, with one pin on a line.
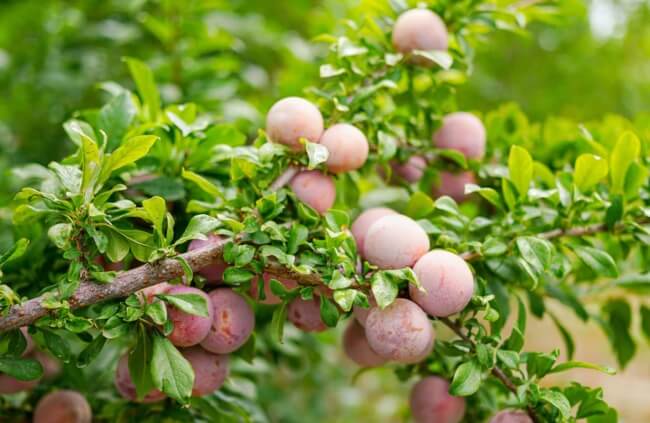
pixel 431 402
pixel 189 329
pixel 232 324
pixel 293 118
pixel 315 189
pixel 394 242
pixel 447 281
pixel 210 370
pixel 63 406
pixel 347 146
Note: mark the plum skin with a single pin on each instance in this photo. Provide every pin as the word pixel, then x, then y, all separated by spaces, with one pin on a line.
pixel 210 370
pixel 511 416
pixel 347 147
pixel 232 324
pixel 394 242
pixel 447 281
pixel 213 272
pixel 270 297
pixel 430 401
pixel 411 170
pixel 188 329
pixel 400 332
pixel 357 348
pixel 315 189
pixel 463 132
pixel 419 29
pixel 363 222
pixel 11 385
pixel 63 406
pixel 292 118
pixel 453 185
pixel 305 314
pixel 126 388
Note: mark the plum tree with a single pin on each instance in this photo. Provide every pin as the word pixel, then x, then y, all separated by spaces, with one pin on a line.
pixel 213 272
pixel 400 332
pixel 411 170
pixel 511 416
pixel 357 348
pixel 347 147
pixel 453 185
pixel 419 29
pixel 51 365
pixel 293 118
pixel 232 324
pixel 126 388
pixel 315 189
pixel 11 385
pixel 395 241
pixel 447 281
pixel 210 370
pixel 305 314
pixel 189 329
pixel 431 402
pixel 269 297
pixel 363 222
pixel 463 132
pixel 63 406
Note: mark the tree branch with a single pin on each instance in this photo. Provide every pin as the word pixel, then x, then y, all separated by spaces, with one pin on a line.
pixel 496 370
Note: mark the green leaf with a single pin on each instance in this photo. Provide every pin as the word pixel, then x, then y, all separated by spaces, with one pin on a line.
pixel 140 360
pixel 317 154
pixel 645 321
pixel 619 318
pixel 156 209
pixel 16 251
pixel 597 260
pixel 21 368
pixel 57 345
pixel 91 351
pixel 467 379
pixel 557 400
pixel 384 289
pixel 130 152
pixel 345 298
pixel 236 276
pixel 197 228
pixel 157 312
pixel 490 194
pixel 189 303
pixel 582 365
pixel 277 322
pixel 170 371
pixel 298 235
pixel 520 165
pixel 144 80
pixel 589 170
pixel 419 206
pixel 202 183
pixel 115 117
pixel 440 57
pixel 328 312
pixel 90 166
pixel 625 152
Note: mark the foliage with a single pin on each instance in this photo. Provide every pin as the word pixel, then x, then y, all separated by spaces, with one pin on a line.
pixel 559 213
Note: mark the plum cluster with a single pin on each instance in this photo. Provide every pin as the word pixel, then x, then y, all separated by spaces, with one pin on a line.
pixel 292 119
pixel 402 331
pixel 423 30
pixel 204 341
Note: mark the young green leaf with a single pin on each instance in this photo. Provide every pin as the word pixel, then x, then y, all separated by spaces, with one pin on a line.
pixel 589 170
pixel 170 371
pixel 189 303
pixel 520 165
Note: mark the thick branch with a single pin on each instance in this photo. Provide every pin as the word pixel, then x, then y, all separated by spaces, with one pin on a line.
pixel 496 370
pixel 124 284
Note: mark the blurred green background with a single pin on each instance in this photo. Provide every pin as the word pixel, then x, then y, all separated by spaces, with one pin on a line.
pixel 235 57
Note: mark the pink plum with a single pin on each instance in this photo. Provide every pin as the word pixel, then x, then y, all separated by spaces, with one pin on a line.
pixel 431 403
pixel 305 314
pixel 447 281
pixel 347 146
pixel 394 242
pixel 363 222
pixel 189 329
pixel 400 332
pixel 232 324
pixel 293 118
pixel 463 132
pixel 63 407
pixel 210 370
pixel 453 185
pixel 213 272
pixel 315 189
pixel 356 347
pixel 419 29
